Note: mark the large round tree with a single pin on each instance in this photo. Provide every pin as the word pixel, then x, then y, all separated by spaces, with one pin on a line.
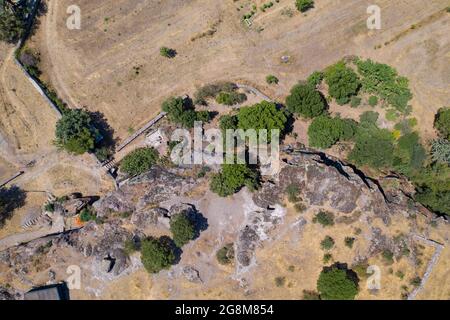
pixel 156 255
pixel 75 132
pixel 12 24
pixel 306 101
pixel 337 283
pixel 182 228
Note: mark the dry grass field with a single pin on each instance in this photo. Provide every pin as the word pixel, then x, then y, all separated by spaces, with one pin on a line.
pixel 96 66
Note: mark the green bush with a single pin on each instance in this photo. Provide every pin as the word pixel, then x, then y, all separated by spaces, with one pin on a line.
pixel 12 24
pixel 280 281
pixel 327 243
pixel 212 90
pixel 327 257
pixel 130 246
pixel 440 151
pixel 349 241
pixel 388 256
pixel 325 218
pixel 342 81
pixel 373 101
pixel 315 78
pixel 271 79
pixel 355 102
pixel 232 178
pixel 336 283
pixel 75 132
pixel 230 98
pixel 225 255
pixel 182 228
pixel 442 122
pixel 156 255
pixel 139 161
pixel 87 214
pixel 373 147
pixel 325 131
pixel 293 192
pixel 304 5
pixel 167 52
pixel 306 101
pixel 383 80
pixel 228 122
pixel 180 111
pixel 263 115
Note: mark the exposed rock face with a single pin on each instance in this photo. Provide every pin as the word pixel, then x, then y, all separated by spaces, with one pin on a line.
pixel 325 181
pixel 157 185
pixel 191 274
pixel 154 216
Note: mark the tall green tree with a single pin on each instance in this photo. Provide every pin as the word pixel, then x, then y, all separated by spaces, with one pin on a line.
pixel 342 81
pixel 337 283
pixel 156 255
pixel 12 24
pixel 306 101
pixel 182 228
pixel 75 132
pixel 325 131
pixel 442 122
pixel 232 178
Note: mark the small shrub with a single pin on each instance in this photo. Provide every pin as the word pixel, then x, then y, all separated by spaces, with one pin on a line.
pixel 325 218
pixel 49 207
pixel 416 282
pixel 349 241
pixel 388 256
pixel 373 101
pixel 130 246
pixel 280 281
pixel 87 214
pixel 139 161
pixel 271 79
pixel 231 98
pixel 400 274
pixel 167 52
pixel 225 255
pixel 355 102
pixel 304 5
pixel 315 78
pixel 327 243
pixel 327 257
pixel 300 207
pixel 293 191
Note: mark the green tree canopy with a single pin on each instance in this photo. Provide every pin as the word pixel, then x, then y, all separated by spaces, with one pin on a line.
pixel 12 24
pixel 304 5
pixel 139 161
pixel 342 81
pixel 232 178
pixel 337 283
pixel 75 131
pixel 325 131
pixel 306 101
pixel 182 228
pixel 156 255
pixel 264 115
pixel 442 122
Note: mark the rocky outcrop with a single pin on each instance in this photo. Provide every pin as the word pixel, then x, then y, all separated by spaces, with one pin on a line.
pixel 157 185
pixel 326 181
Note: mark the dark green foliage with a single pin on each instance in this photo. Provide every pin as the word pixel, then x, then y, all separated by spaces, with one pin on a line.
pixel 167 52
pixel 10 199
pixel 139 161
pixel 225 255
pixel 231 98
pixel 349 241
pixel 12 24
pixel 156 255
pixel 337 283
pixel 263 115
pixel 180 111
pixel 315 78
pixel 203 116
pixel 75 132
pixel 416 281
pixel 306 101
pixel 325 218
pixel 442 122
pixel 327 243
pixel 228 122
pixel 212 90
pixel 304 5
pixel 271 79
pixel 355 102
pixel 182 228
pixel 325 131
pixel 327 257
pixel 87 214
pixel 383 80
pixel 342 81
pixel 50 207
pixel 374 147
pixel 373 101
pixel 369 117
pixel 409 154
pixel 232 178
